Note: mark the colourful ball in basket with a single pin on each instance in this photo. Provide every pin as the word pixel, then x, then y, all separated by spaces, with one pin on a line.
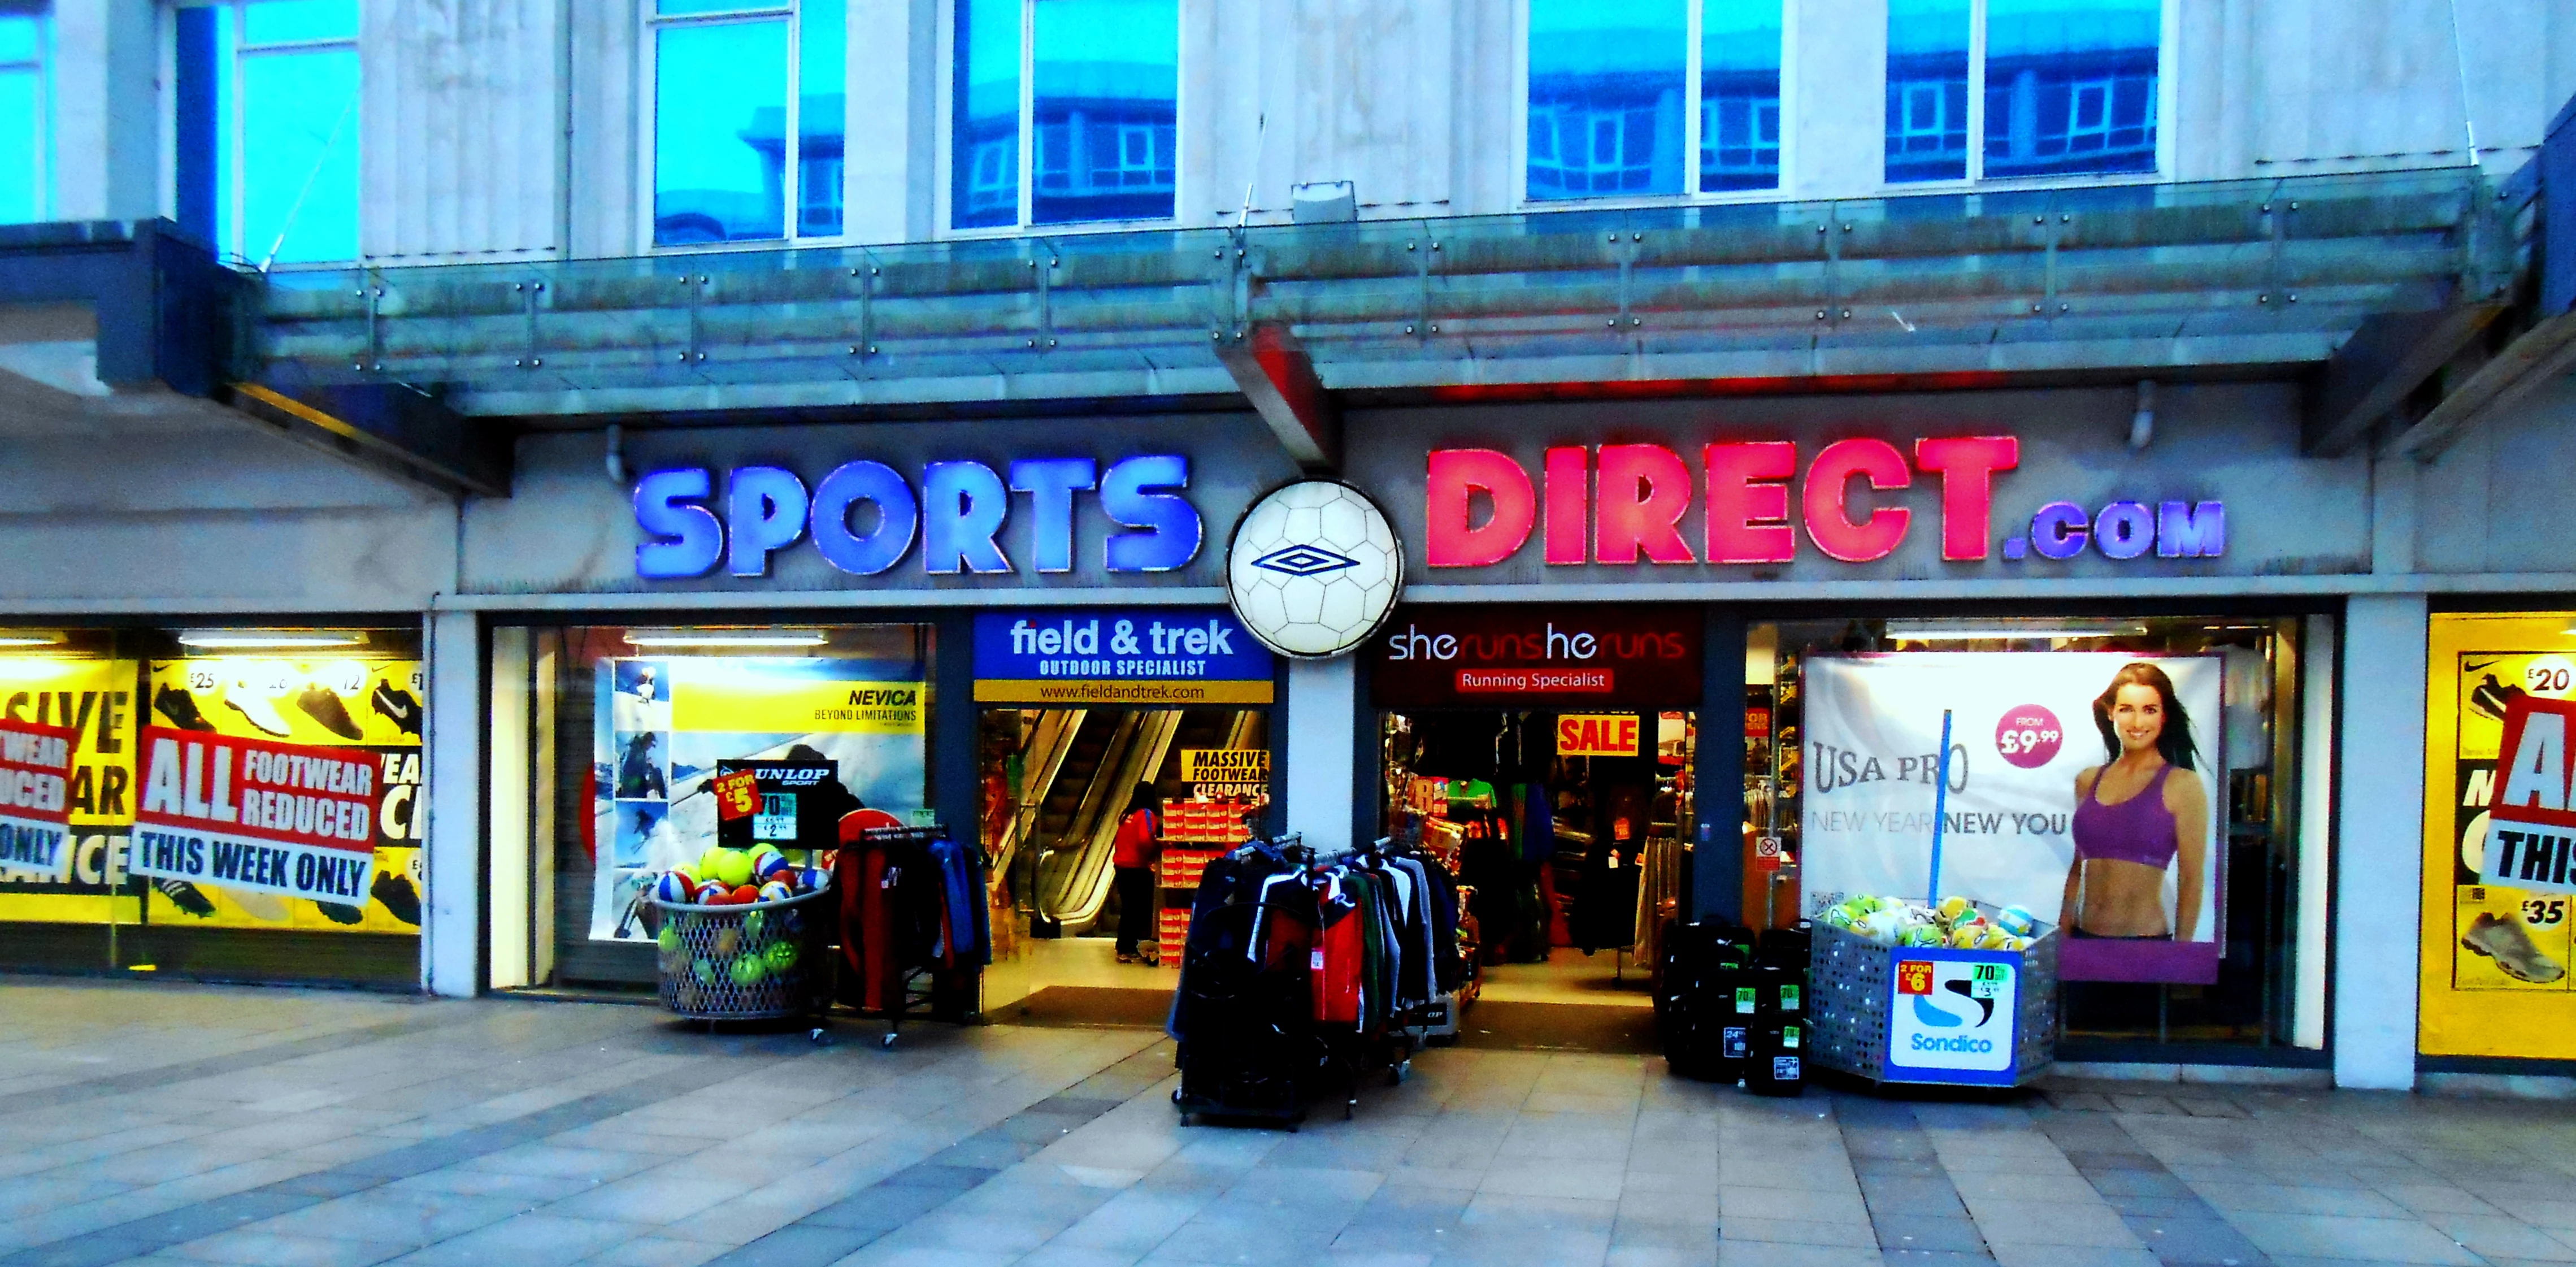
pixel 733 867
pixel 767 864
pixel 780 956
pixel 705 866
pixel 749 970
pixel 673 888
pixel 808 879
pixel 776 891
pixel 745 894
pixel 705 971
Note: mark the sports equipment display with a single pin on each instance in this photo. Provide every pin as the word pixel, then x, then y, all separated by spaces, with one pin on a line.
pixel 1313 569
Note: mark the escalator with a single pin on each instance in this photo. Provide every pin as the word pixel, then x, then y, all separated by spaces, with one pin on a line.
pixel 1078 817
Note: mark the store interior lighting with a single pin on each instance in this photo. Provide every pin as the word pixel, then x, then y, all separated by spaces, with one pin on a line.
pixel 726 638
pixel 29 638
pixel 271 639
pixel 2008 631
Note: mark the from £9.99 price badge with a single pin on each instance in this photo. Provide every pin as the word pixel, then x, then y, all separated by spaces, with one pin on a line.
pixel 2029 736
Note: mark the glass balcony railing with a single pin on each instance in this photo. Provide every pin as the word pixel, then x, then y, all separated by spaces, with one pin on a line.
pixel 2095 278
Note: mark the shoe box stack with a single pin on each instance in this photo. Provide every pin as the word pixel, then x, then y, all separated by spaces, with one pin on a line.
pixel 1733 1007
pixel 1195 833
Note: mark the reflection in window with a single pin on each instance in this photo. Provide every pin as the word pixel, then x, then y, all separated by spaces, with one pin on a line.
pixel 2071 87
pixel 267 129
pixel 1927 89
pixel 725 168
pixel 1739 95
pixel 1102 93
pixel 1606 85
pixel 24 143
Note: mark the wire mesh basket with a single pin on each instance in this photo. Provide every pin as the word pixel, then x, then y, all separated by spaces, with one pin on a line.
pixel 1848 999
pixel 745 963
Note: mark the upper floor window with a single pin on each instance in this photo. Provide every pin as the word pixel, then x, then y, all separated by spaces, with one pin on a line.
pixel 267 134
pixel 26 179
pixel 1653 97
pixel 1093 84
pixel 2060 87
pixel 750 103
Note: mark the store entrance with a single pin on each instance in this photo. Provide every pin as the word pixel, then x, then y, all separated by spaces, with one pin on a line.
pixel 1566 829
pixel 1057 785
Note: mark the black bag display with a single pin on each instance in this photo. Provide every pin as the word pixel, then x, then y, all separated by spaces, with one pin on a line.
pixel 1777 1064
pixel 1704 966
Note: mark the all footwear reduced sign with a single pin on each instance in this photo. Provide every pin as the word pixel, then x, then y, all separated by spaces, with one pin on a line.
pixel 35 805
pixel 288 819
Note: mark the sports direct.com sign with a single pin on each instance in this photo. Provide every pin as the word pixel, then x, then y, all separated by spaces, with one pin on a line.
pixel 1759 502
pixel 288 819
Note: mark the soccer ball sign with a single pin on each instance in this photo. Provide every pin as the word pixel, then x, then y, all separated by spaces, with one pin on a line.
pixel 1313 569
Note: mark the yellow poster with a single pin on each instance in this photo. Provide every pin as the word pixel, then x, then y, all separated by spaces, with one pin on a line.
pixel 750 696
pixel 97 699
pixel 372 705
pixel 2495 962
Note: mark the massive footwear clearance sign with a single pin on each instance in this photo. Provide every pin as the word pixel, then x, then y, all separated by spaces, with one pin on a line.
pixel 276 818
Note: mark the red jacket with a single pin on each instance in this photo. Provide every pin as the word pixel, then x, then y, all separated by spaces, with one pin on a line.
pixel 1139 840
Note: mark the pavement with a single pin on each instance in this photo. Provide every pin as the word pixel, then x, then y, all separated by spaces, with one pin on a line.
pixel 181 1124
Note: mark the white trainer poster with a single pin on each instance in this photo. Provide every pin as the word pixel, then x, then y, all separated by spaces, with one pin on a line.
pixel 2032 734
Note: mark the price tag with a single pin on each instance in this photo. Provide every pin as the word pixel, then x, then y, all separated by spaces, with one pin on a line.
pixel 737 794
pixel 776 820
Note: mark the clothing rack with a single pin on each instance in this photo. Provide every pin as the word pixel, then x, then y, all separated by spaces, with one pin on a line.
pixel 1306 967
pixel 884 914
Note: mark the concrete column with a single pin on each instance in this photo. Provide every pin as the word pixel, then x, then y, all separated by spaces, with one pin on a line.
pixel 451 926
pixel 2379 841
pixel 106 111
pixel 1323 757
pixel 1717 781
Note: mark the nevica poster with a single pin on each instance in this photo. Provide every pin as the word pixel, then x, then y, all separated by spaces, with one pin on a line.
pixel 92 702
pixel 2128 864
pixel 262 763
pixel 663 724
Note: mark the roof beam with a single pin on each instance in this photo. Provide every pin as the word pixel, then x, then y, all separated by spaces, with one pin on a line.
pixel 1278 377
pixel 2384 361
pixel 392 431
pixel 2542 353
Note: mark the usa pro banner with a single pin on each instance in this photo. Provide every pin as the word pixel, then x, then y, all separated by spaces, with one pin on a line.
pixel 277 818
pixel 35 805
pixel 2023 731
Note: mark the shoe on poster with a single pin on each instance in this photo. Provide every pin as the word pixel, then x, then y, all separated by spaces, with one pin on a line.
pixel 257 706
pixel 341 912
pixel 180 708
pixel 2506 940
pixel 396 705
pixel 186 897
pixel 398 897
pixel 323 705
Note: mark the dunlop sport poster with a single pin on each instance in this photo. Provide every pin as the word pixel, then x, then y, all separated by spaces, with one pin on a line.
pixel 2027 748
pixel 662 724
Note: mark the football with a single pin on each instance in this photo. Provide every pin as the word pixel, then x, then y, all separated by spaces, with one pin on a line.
pixel 1313 569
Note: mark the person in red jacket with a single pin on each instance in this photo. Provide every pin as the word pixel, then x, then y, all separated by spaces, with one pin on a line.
pixel 1132 853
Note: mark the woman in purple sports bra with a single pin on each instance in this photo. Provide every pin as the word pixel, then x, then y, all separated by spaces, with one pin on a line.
pixel 2144 812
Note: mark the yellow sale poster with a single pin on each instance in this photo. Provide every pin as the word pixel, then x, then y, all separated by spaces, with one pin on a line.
pixel 375 706
pixel 95 699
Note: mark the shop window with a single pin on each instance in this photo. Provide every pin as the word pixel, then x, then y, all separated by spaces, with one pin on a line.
pixel 235 802
pixel 2497 889
pixel 268 129
pixel 2066 89
pixel 605 739
pixel 1612 107
pixel 2132 781
pixel 1095 84
pixel 749 116
pixel 26 133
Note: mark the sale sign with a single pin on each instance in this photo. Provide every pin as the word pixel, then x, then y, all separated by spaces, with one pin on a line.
pixel 290 819
pixel 2531 829
pixel 1585 735
pixel 35 807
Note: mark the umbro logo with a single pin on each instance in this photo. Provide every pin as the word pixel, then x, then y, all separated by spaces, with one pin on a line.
pixel 1303 560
